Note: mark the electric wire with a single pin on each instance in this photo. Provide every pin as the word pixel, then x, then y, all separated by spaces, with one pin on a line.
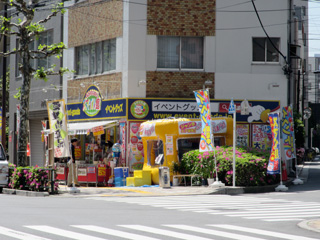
pixel 275 47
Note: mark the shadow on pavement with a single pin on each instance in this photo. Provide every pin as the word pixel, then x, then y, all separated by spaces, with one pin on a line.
pixel 311 177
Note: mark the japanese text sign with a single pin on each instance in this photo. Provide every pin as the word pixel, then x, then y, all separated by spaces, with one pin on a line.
pixel 58 125
pixel 274 160
pixel 287 125
pixel 203 101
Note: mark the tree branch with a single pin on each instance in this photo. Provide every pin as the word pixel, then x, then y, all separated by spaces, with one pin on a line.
pixel 47 18
pixel 9 53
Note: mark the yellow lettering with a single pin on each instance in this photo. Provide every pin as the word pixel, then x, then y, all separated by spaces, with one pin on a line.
pixel 115 108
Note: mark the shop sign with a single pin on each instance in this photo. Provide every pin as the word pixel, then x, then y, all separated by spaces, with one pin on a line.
pixel 139 109
pixel 91 169
pixel 82 171
pixel 274 160
pixel 77 152
pixel 194 127
pixel 97 131
pixel 92 101
pixel 243 135
pixel 151 109
pixel 93 107
pixel 219 126
pixel 58 125
pixel 135 147
pixel 287 126
pixel 147 130
pixel 102 171
pixel 60 170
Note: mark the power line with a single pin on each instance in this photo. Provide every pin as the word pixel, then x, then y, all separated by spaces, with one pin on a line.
pixel 275 47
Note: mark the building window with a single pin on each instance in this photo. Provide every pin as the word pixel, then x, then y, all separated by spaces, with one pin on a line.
pixel 180 52
pixel 45 38
pixel 96 58
pixel 263 50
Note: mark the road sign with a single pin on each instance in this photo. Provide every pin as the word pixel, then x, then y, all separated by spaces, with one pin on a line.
pixel 231 107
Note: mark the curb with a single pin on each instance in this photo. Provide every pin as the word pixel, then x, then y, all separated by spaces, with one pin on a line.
pixel 24 193
pixel 312 225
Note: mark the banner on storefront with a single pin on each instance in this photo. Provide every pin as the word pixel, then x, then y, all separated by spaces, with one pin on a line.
pixel 160 108
pixel 97 131
pixel 274 160
pixel 58 125
pixel 203 101
pixel 123 140
pixel 287 125
pixel 194 127
pixel 93 107
pixel 135 147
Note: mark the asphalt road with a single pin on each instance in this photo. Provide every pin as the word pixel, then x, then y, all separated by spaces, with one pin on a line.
pixel 250 216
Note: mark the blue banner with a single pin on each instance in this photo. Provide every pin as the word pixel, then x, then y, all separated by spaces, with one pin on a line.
pixel 274 160
pixel 148 109
pixel 203 101
pixel 93 107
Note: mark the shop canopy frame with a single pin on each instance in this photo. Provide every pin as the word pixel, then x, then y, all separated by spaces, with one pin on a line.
pixel 81 128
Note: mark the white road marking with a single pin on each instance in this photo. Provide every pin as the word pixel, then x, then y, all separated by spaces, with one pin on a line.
pixel 63 233
pixel 19 235
pixel 262 232
pixel 214 232
pixel 113 232
pixel 165 232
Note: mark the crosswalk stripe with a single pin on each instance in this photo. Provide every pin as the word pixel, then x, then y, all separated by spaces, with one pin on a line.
pixel 113 232
pixel 63 233
pixel 265 212
pixel 19 235
pixel 214 232
pixel 281 220
pixel 165 232
pixel 232 206
pixel 274 213
pixel 286 207
pixel 262 232
pixel 286 216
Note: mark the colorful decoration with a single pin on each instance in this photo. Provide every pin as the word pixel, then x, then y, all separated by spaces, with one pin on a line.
pixel 287 125
pixel 203 101
pixel 58 125
pixel 274 161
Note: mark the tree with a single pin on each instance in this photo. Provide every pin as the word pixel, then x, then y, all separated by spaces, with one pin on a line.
pixel 26 30
pixel 6 102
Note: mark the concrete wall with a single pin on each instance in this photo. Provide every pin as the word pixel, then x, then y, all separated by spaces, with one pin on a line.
pixel 236 75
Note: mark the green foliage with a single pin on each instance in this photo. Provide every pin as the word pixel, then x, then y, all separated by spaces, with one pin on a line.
pixel 4 22
pixel 18 94
pixel 59 8
pixel 30 178
pixel 41 73
pixel 35 27
pixel 251 166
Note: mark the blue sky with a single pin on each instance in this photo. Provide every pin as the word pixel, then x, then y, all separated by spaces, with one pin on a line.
pixel 314 28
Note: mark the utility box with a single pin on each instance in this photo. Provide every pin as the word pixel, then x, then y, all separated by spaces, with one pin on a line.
pixel 164 177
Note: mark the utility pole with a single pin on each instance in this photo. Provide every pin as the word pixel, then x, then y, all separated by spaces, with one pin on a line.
pixel 4 86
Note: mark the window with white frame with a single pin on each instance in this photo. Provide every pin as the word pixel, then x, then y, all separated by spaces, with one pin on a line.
pixel 96 58
pixel 180 52
pixel 264 51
